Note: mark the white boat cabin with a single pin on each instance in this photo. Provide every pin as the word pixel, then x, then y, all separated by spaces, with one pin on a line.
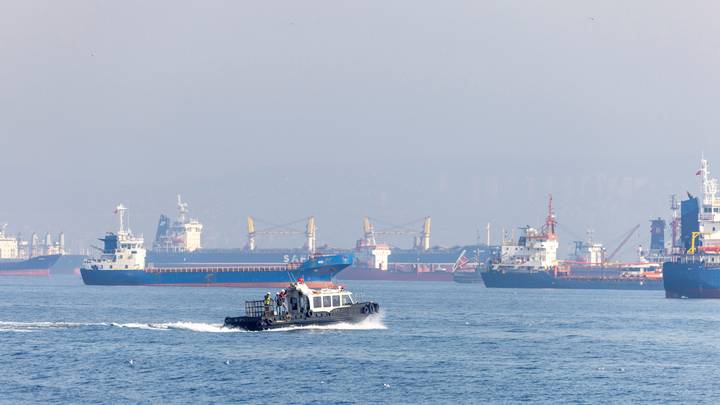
pixel 322 300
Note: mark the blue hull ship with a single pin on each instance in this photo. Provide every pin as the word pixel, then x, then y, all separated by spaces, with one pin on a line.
pixel 691 280
pixel 123 262
pixel 542 279
pixel 317 272
pixel 695 272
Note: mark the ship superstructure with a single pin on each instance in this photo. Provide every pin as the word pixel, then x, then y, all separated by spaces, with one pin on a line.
pixel 121 250
pixel 182 235
pixel 709 217
pixel 534 251
pixel 15 247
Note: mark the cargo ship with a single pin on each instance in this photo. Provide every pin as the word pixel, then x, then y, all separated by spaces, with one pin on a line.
pixel 123 262
pixel 531 262
pixel 36 266
pixel 22 258
pixel 179 242
pixel 694 272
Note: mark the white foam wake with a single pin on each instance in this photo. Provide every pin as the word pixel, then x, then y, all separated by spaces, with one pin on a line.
pixel 10 326
pixel 191 326
pixel 370 323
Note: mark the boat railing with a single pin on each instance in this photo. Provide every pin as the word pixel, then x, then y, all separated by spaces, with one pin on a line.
pixel 258 309
pixel 689 259
pixel 255 309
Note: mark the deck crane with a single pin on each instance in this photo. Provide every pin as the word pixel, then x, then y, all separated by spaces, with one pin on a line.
pixel 422 237
pixel 310 232
pixel 624 241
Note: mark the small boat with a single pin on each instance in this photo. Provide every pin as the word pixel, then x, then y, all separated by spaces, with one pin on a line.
pixel 299 305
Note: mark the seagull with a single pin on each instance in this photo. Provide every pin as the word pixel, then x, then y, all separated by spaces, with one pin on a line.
pixel 227 362
pixel 131 362
pixel 386 385
pixel 591 18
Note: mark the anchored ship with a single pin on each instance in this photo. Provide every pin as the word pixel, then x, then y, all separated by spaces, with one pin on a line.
pixel 123 262
pixel 694 272
pixel 179 242
pixel 22 258
pixel 531 262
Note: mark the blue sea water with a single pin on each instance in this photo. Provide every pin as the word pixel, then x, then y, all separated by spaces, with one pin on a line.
pixel 63 342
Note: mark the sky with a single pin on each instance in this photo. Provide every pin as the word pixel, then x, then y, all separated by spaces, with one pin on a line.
pixel 466 111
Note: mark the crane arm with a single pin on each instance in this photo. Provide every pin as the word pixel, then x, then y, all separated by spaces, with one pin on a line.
pixel 624 241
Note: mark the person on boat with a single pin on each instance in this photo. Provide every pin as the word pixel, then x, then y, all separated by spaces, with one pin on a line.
pixel 283 300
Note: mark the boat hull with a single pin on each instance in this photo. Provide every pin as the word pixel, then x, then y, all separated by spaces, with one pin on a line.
pixel 36 267
pixel 495 279
pixel 691 280
pixel 317 273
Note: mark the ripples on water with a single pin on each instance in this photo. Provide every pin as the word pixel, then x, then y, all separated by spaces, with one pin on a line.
pixel 64 342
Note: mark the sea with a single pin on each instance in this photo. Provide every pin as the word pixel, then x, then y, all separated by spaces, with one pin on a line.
pixel 433 343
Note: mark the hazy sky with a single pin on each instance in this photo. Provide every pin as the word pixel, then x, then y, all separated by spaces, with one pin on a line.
pixel 468 111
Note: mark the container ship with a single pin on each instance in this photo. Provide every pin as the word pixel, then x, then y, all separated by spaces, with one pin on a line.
pixel 20 257
pixel 179 241
pixel 123 262
pixel 694 271
pixel 531 262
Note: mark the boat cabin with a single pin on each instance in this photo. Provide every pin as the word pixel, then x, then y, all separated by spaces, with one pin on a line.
pixel 301 300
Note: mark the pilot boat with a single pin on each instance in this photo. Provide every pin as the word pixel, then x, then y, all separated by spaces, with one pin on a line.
pixel 302 306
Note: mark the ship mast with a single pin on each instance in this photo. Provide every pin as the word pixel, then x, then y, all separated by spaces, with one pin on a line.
pixel 675 207
pixel 550 221
pixel 121 210
pixel 710 185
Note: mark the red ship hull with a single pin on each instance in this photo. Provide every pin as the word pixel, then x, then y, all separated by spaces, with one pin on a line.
pixel 26 272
